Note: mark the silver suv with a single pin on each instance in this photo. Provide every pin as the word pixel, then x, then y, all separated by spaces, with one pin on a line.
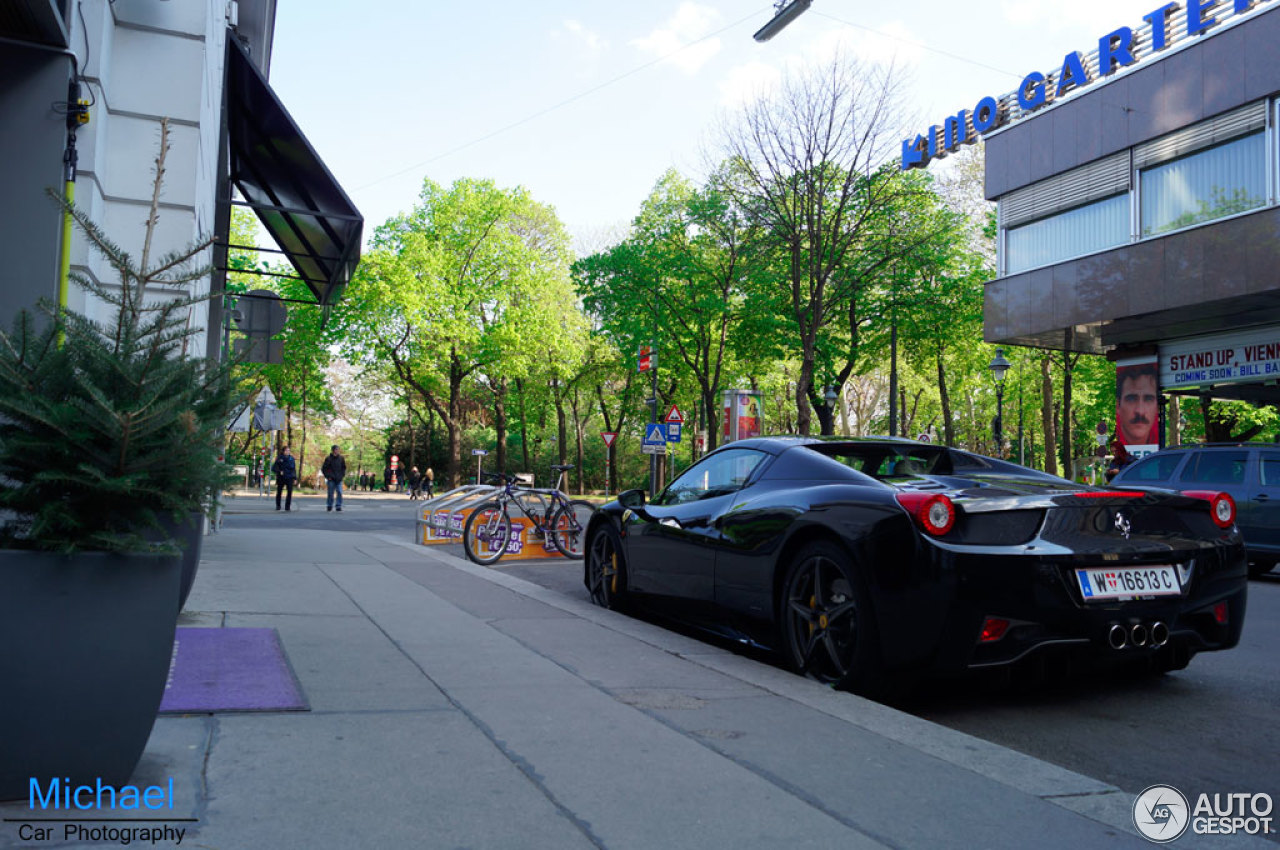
pixel 1250 472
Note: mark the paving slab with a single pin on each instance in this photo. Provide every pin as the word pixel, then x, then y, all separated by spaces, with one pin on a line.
pixel 347 664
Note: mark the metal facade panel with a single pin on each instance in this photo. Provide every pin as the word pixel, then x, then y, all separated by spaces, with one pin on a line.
pixel 1202 280
pixel 30 162
pixel 1130 105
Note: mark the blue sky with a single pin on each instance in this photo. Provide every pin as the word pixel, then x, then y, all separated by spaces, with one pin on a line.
pixel 587 103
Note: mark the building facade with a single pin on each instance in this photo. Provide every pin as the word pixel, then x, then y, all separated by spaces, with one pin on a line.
pixel 1138 218
pixel 91 81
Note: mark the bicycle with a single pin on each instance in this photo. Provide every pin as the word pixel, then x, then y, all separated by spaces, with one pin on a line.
pixel 552 514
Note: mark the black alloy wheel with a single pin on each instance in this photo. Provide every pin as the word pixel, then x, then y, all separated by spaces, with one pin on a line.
pixel 605 570
pixel 828 633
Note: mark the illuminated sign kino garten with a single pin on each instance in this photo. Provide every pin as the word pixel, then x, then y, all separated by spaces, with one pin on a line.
pixel 1116 50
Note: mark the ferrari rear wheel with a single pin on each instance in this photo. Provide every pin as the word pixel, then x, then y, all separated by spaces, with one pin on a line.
pixel 828 633
pixel 606 570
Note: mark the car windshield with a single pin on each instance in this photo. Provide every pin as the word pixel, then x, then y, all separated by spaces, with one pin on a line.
pixel 880 460
pixel 716 475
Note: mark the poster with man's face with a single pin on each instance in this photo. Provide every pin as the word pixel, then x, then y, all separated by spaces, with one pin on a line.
pixel 1138 405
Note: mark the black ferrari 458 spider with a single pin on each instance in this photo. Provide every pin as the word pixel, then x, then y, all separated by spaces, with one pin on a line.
pixel 860 559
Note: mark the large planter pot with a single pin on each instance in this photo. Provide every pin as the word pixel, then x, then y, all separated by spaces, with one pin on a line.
pixel 85 646
pixel 189 534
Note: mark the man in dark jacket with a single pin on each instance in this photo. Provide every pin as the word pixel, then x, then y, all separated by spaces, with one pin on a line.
pixel 334 469
pixel 286 472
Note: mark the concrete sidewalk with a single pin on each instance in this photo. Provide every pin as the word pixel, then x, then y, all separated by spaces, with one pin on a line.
pixel 457 706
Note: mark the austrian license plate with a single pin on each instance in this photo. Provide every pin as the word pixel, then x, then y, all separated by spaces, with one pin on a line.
pixel 1100 583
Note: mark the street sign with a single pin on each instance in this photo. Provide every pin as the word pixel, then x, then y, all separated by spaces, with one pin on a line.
pixel 674 415
pixel 654 450
pixel 673 432
pixel 655 435
pixel 479 452
pixel 608 437
pixel 644 359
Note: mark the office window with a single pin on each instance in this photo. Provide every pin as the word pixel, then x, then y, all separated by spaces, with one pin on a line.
pixel 1212 183
pixel 1083 230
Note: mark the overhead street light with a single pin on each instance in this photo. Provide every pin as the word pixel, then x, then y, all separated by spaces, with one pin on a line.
pixel 784 13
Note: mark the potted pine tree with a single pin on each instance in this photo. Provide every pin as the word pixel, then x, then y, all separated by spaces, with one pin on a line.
pixel 110 437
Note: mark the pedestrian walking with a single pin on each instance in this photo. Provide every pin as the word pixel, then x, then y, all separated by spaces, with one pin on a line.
pixel 334 469
pixel 386 479
pixel 286 471
pixel 415 483
pixel 429 481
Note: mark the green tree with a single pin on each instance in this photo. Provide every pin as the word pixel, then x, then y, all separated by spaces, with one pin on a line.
pixel 458 292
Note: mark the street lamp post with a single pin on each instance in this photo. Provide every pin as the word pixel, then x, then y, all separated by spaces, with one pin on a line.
pixel 998 366
pixel 830 398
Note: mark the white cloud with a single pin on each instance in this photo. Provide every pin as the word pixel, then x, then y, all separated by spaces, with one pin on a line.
pixel 1100 15
pixel 891 43
pixel 674 40
pixel 747 83
pixel 589 39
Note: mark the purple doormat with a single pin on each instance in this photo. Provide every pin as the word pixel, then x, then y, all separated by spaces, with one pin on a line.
pixel 230 670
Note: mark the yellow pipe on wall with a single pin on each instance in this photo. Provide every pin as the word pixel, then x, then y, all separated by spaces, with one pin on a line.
pixel 64 269
pixel 64 273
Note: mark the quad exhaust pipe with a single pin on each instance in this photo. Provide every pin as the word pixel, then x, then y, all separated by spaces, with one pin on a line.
pixel 1155 635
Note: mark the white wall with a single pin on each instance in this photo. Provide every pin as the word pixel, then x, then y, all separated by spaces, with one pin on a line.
pixel 149 60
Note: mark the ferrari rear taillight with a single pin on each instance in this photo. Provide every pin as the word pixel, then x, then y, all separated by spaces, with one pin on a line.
pixel 933 512
pixel 993 628
pixel 1221 506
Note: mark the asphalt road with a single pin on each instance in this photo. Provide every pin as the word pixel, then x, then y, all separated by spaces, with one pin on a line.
pixel 1209 728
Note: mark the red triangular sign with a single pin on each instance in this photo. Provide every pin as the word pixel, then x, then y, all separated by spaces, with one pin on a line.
pixel 674 415
pixel 609 437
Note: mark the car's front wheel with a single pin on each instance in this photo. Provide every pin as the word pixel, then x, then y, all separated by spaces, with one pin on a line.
pixel 606 570
pixel 828 633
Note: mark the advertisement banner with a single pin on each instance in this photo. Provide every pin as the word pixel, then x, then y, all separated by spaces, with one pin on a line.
pixel 742 419
pixel 748 415
pixel 1243 357
pixel 1138 405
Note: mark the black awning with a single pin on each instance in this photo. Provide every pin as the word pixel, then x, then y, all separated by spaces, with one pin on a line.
pixel 280 176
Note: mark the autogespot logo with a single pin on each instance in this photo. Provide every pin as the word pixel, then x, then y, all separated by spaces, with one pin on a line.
pixel 1160 813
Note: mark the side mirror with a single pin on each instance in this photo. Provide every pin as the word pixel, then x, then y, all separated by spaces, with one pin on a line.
pixel 633 499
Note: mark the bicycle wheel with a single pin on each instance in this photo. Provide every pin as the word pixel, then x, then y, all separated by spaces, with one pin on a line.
pixel 569 528
pixel 485 536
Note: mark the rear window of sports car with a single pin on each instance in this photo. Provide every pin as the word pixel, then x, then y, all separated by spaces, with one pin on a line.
pixel 888 461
